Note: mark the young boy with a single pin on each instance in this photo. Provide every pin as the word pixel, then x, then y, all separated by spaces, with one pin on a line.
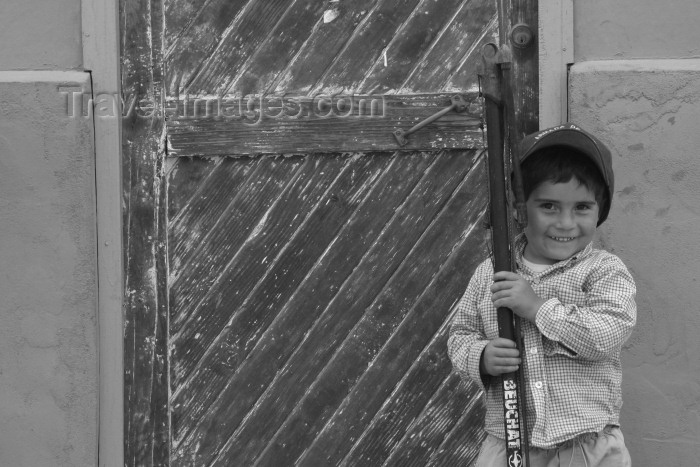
pixel 576 305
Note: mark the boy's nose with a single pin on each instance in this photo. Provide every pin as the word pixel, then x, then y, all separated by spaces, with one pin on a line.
pixel 566 220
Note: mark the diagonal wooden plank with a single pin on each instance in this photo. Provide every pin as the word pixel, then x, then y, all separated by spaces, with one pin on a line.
pixel 461 446
pixel 321 48
pixel 365 46
pixel 409 45
pixel 299 310
pixel 179 15
pixel 278 49
pixel 225 257
pixel 239 42
pixel 465 76
pixel 425 436
pixel 412 398
pixel 441 61
pixel 402 295
pixel 357 292
pixel 253 258
pixel 405 404
pixel 373 436
pixel 185 180
pixel 214 201
pixel 402 358
pixel 454 412
pixel 303 250
pixel 425 406
pixel 185 55
pixel 219 245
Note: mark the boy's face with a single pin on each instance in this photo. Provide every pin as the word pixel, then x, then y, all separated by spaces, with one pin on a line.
pixel 561 221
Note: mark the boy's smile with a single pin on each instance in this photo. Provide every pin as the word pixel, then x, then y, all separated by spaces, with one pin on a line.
pixel 562 220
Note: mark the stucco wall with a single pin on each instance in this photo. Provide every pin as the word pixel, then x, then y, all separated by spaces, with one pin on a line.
pixel 635 29
pixel 648 111
pixel 48 311
pixel 636 83
pixel 48 328
pixel 40 35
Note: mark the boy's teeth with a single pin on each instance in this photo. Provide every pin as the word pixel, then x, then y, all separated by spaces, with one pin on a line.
pixel 562 239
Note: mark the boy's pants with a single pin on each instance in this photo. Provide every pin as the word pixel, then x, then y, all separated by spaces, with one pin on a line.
pixel 604 449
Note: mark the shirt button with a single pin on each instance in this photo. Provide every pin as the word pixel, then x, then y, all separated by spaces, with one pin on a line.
pixel 536 281
pixel 533 350
pixel 538 384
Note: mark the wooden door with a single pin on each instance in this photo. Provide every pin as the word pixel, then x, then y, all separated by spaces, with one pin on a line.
pixel 290 268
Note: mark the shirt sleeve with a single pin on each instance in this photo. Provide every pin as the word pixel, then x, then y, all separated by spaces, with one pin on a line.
pixel 597 330
pixel 467 338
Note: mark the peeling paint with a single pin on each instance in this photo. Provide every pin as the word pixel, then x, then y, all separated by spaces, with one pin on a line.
pixel 330 15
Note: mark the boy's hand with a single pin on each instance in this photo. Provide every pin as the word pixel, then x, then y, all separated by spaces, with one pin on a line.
pixel 510 290
pixel 500 356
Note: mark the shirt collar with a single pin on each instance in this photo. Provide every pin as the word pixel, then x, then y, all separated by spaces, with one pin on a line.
pixel 521 241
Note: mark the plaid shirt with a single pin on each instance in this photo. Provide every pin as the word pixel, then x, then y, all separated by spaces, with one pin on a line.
pixel 571 353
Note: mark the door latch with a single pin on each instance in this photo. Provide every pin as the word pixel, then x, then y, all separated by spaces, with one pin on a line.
pixel 458 105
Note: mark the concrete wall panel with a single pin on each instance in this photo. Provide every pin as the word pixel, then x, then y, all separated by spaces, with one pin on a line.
pixel 48 328
pixel 40 35
pixel 635 29
pixel 648 113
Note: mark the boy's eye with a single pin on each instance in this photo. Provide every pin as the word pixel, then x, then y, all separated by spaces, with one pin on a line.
pixel 547 206
pixel 583 207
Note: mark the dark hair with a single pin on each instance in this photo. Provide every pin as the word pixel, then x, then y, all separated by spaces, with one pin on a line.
pixel 559 164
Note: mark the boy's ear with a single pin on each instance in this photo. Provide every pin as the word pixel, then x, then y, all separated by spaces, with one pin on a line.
pixel 516 215
pixel 520 215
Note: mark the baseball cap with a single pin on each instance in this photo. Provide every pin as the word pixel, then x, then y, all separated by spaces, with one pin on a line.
pixel 573 136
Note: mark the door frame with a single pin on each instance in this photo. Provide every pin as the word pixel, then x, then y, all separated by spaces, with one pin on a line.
pixel 101 57
pixel 556 54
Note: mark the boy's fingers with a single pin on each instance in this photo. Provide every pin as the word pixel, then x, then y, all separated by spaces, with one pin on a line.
pixel 505 354
pixel 502 302
pixel 502 285
pixel 500 294
pixel 507 361
pixel 503 342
